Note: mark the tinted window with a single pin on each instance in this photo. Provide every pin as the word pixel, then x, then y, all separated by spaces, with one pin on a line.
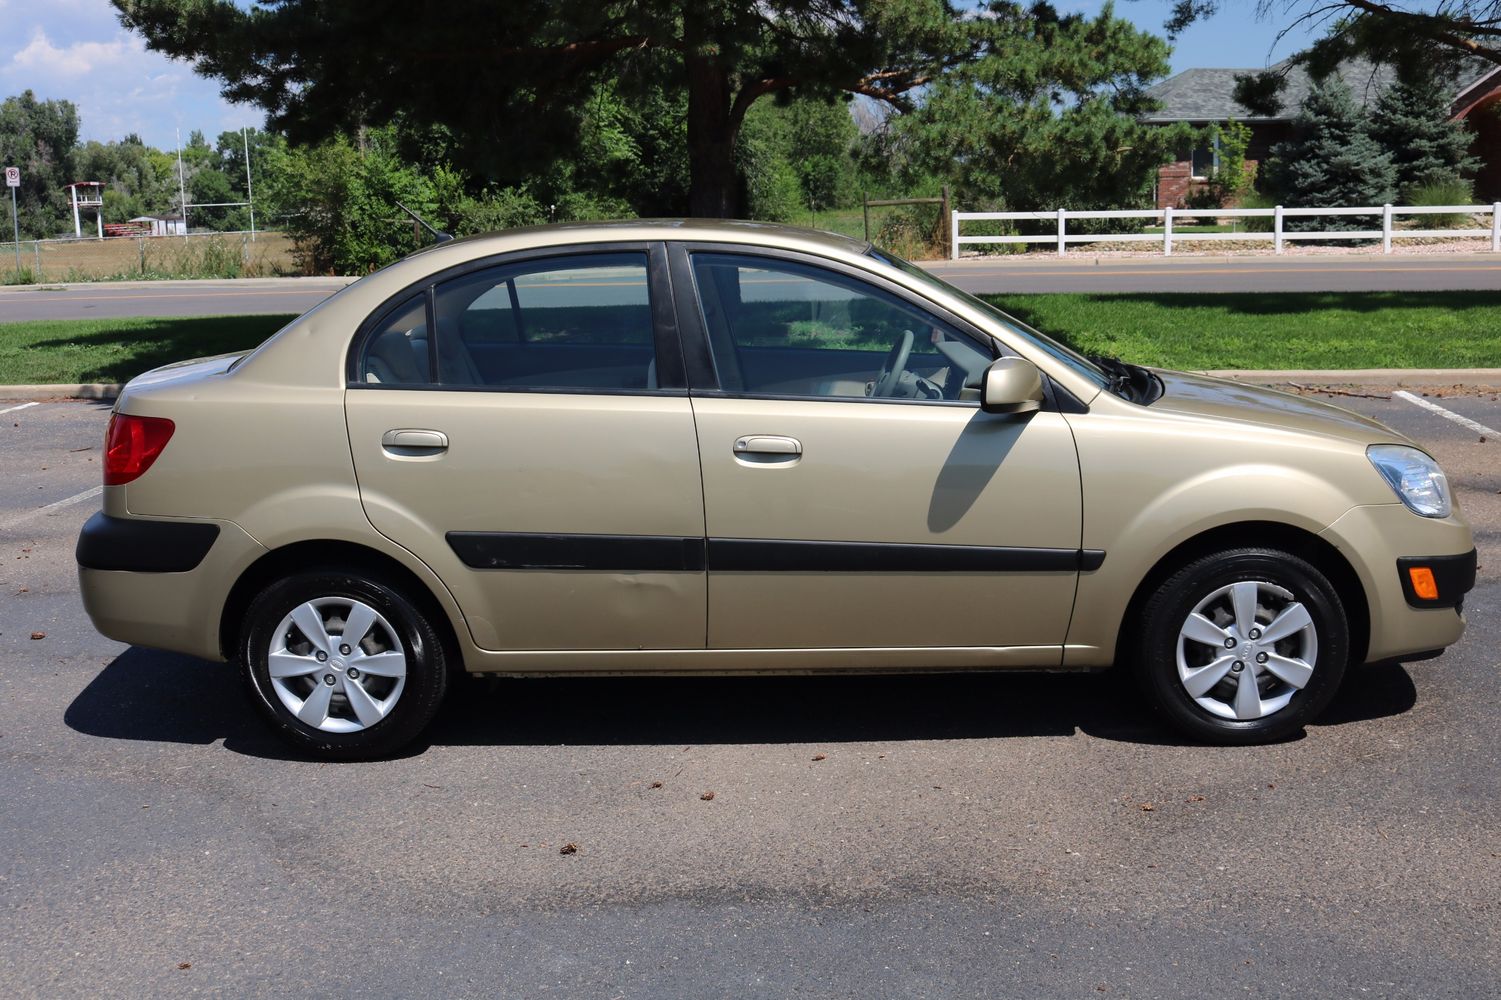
pixel 397 353
pixel 564 323
pixel 788 329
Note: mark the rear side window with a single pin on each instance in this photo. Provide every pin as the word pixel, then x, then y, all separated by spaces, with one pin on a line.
pixel 565 323
pixel 397 353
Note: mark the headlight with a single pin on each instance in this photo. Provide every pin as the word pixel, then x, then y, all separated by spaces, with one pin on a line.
pixel 1414 477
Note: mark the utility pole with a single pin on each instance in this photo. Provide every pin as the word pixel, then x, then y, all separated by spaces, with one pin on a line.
pixel 182 188
pixel 249 193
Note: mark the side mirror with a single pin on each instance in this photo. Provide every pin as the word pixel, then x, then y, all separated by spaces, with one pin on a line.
pixel 1011 385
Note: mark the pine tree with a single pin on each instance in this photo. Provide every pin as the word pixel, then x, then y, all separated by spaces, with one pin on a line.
pixel 1331 160
pixel 1411 121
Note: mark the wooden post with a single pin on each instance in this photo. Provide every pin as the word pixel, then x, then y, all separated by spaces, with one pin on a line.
pixel 1277 229
pixel 1167 231
pixel 865 206
pixel 1061 242
pixel 1386 229
pixel 943 215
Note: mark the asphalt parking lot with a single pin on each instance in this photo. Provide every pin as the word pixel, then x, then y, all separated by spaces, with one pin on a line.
pixel 997 835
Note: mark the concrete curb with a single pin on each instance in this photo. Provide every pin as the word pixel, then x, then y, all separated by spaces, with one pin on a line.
pixel 1395 377
pixel 63 390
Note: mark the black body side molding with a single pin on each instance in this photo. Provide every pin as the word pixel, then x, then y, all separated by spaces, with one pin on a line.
pixel 671 553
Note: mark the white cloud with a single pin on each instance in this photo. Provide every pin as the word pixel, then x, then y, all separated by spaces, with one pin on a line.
pixel 42 57
pixel 76 50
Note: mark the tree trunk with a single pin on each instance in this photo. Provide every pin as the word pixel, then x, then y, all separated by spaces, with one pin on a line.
pixel 713 188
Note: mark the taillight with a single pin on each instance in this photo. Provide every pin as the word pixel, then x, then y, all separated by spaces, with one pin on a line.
pixel 131 444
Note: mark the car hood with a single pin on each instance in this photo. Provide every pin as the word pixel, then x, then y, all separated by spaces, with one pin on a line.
pixel 1223 399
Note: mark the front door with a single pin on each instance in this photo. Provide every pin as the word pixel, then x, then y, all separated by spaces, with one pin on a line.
pixel 855 494
pixel 510 427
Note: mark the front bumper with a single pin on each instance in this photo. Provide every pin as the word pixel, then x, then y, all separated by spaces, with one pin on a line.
pixel 1448 579
pixel 161 582
pixel 1374 538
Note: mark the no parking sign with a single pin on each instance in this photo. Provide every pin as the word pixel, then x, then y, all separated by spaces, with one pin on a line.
pixel 13 181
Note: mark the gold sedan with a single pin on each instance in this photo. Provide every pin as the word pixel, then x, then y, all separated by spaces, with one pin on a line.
pixel 717 447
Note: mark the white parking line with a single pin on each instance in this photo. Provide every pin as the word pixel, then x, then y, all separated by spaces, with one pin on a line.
pixel 54 506
pixel 12 409
pixel 1462 421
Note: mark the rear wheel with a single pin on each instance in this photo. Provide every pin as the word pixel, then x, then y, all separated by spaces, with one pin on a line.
pixel 1243 646
pixel 342 665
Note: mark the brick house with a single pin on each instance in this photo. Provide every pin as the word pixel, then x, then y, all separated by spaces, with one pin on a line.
pixel 1205 96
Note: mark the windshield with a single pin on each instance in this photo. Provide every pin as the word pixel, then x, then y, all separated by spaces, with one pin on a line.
pixel 1066 355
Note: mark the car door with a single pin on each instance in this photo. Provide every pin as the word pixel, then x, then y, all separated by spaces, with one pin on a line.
pixel 523 427
pixel 845 509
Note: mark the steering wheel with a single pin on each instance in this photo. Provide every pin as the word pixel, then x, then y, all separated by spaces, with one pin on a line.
pixel 893 367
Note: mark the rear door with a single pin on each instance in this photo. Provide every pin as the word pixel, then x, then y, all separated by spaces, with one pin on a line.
pixel 856 496
pixel 522 426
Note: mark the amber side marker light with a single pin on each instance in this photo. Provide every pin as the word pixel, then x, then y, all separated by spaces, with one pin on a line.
pixel 1423 583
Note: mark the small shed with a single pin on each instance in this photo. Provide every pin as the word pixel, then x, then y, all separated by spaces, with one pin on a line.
pixel 163 225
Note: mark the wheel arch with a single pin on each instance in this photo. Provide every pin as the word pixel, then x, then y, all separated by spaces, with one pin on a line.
pixel 1259 534
pixel 305 555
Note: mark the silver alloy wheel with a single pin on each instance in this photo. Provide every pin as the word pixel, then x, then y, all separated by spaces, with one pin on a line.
pixel 1246 649
pixel 337 664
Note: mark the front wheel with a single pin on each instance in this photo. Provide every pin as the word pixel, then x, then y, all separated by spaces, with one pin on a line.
pixel 342 665
pixel 1243 646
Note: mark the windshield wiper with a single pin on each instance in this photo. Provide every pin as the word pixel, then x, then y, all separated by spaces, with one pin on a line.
pixel 1128 381
pixel 1119 374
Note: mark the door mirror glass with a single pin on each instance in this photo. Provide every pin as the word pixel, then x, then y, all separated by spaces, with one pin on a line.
pixel 1011 385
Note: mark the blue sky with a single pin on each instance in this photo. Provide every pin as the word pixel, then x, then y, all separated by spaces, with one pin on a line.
pixel 76 49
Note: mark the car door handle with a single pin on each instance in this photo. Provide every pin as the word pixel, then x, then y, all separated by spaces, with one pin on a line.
pixel 410 440
pixel 768 444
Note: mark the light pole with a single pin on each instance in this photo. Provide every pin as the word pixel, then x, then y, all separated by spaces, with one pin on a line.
pixel 182 189
pixel 249 193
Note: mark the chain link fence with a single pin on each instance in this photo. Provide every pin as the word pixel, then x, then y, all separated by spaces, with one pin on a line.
pixel 198 255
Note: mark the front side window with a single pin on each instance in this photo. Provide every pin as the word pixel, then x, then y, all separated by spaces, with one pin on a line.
pixel 577 323
pixel 788 329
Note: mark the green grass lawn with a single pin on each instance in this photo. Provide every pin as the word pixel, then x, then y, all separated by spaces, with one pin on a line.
pixel 1304 330
pixel 116 350
pixel 1275 330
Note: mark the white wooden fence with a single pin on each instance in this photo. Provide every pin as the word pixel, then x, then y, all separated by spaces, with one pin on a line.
pixel 1165 217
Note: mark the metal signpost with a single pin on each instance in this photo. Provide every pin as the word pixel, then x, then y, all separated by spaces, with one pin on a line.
pixel 13 181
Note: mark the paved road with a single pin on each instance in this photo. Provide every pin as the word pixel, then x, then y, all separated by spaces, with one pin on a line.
pixel 114 300
pixel 965 836
pixel 1079 272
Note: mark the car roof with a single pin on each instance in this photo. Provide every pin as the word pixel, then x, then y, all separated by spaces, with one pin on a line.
pixel 707 230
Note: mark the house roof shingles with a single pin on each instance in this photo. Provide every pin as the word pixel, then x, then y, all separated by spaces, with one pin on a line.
pixel 1208 95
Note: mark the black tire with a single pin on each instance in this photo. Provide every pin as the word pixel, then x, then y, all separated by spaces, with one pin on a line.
pixel 1166 611
pixel 426 665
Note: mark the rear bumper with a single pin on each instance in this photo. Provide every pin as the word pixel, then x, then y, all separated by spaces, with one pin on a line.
pixel 161 582
pixel 144 546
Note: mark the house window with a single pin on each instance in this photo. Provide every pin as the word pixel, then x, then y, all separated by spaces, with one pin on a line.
pixel 1204 162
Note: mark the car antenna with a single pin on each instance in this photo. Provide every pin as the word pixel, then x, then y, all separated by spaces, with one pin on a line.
pixel 439 236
